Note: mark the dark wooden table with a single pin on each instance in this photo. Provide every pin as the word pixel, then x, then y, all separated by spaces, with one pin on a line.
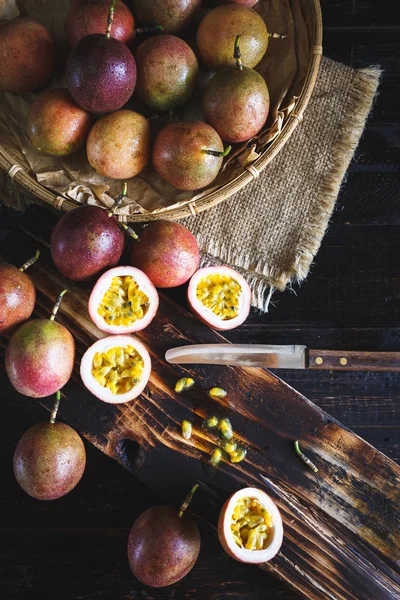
pixel 75 548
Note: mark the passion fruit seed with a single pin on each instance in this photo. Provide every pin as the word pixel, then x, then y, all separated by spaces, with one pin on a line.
pixel 215 457
pixel 229 446
pixel 123 303
pixel 186 430
pixel 251 524
pixel 118 369
pixel 225 429
pixel 304 458
pixel 210 423
pixel 184 384
pixel 239 454
pixel 220 294
pixel 217 392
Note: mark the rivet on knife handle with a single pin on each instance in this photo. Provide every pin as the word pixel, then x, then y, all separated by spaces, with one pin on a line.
pixel 353 360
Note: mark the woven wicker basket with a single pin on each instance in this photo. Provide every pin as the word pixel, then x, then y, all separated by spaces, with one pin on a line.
pixel 19 173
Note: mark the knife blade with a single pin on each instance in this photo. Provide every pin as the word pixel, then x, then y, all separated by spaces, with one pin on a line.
pixel 283 357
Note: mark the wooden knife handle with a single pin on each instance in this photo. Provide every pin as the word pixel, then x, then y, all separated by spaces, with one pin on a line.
pixel 350 360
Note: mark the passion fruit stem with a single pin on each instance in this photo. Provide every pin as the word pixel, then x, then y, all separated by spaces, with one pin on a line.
pixel 304 458
pixel 237 55
pixel 187 500
pixel 277 36
pixel 54 411
pixel 110 19
pixel 30 262
pixel 218 153
pixel 57 305
pixel 114 207
pixel 148 29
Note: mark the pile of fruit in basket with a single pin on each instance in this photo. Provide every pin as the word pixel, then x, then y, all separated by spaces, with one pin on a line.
pixel 112 62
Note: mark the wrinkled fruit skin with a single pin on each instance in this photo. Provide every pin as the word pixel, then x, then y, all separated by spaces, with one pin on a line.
pixel 179 157
pixel 101 73
pixel 167 252
pixel 172 15
pixel 27 55
pixel 236 103
pixel 167 70
pixel 217 32
pixel 49 460
pixel 56 124
pixel 17 297
pixel 162 548
pixel 118 145
pixel 85 242
pixel 40 358
pixel 90 16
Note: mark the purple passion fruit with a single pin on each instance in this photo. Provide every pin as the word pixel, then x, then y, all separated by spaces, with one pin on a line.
pixel 17 295
pixel 167 252
pixel 172 15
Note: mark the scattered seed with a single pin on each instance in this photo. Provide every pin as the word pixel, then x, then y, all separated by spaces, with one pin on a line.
pixel 229 446
pixel 304 458
pixel 184 384
pixel 239 454
pixel 210 423
pixel 186 430
pixel 215 457
pixel 225 429
pixel 217 392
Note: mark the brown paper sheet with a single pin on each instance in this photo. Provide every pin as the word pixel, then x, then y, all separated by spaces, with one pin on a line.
pixel 284 68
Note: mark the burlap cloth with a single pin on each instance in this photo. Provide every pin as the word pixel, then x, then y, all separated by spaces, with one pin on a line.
pixel 272 229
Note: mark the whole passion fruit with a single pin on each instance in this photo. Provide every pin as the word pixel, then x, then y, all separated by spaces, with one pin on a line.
pixel 85 242
pixel 17 295
pixel 220 297
pixel 163 544
pixel 167 252
pixel 123 301
pixel 40 356
pixel 250 526
pixel 116 369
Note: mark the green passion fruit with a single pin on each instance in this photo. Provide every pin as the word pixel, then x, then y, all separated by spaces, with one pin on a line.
pixel 220 297
pixel 250 526
pixel 40 356
pixel 167 252
pixel 123 300
pixel 49 459
pixel 17 295
pixel 163 545
pixel 116 369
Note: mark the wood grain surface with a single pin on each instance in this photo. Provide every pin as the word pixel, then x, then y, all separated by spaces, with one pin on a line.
pixel 341 526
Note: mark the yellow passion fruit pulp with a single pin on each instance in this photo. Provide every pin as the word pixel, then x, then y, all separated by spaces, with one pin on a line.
pixel 123 303
pixel 118 369
pixel 220 293
pixel 251 524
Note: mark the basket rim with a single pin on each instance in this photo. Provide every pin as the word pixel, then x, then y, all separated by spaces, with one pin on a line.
pixel 22 176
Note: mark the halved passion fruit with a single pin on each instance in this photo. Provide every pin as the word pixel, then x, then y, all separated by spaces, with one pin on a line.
pixel 220 297
pixel 123 301
pixel 250 526
pixel 116 369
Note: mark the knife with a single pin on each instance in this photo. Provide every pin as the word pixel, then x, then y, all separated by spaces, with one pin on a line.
pixel 283 357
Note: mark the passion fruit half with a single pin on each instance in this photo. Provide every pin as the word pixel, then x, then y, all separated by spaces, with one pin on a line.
pixel 250 526
pixel 116 369
pixel 123 300
pixel 220 297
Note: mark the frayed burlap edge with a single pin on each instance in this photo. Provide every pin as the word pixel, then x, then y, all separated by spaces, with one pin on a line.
pixel 262 279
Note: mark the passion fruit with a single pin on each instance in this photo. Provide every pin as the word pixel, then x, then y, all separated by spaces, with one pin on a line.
pixel 167 252
pixel 250 526
pixel 17 295
pixel 220 297
pixel 116 369
pixel 123 301
pixel 163 545
pixel 40 356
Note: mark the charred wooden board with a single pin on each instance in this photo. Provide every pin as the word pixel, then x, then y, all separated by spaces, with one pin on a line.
pixel 342 526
